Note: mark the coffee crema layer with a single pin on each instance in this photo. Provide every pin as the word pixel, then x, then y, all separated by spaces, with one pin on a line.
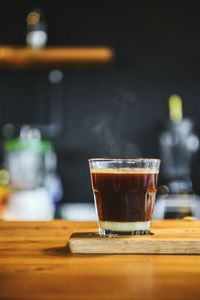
pixel 125 171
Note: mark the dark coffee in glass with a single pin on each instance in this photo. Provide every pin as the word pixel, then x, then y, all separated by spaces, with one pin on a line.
pixel 124 194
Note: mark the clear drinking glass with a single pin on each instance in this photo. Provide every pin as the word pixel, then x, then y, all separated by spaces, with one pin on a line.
pixel 124 194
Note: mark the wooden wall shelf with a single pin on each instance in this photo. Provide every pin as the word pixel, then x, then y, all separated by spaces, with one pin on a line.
pixel 23 57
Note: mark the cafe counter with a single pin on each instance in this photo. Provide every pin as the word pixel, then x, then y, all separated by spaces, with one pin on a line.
pixel 35 263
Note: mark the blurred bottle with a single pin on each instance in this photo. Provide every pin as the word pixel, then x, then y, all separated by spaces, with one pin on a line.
pixel 178 144
pixel 36 29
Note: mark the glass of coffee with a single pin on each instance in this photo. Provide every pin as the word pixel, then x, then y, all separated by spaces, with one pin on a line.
pixel 124 193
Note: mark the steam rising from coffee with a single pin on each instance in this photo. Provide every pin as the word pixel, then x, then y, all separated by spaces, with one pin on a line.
pixel 107 129
pixel 103 131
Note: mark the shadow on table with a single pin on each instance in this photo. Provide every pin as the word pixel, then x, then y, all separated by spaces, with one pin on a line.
pixel 65 252
pixel 57 251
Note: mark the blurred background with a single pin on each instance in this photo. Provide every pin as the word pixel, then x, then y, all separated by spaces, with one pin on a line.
pixel 82 79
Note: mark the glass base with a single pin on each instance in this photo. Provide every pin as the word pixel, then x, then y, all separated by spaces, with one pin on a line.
pixel 110 233
pixel 109 228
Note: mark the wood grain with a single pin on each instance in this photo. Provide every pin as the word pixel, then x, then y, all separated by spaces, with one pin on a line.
pixel 27 57
pixel 35 264
pixel 162 241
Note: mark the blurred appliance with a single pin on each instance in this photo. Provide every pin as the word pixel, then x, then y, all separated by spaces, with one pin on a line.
pixel 36 188
pixel 178 144
pixel 78 212
pixel 177 207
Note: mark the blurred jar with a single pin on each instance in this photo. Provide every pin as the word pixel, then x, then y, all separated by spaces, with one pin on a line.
pixel 28 159
pixel 36 188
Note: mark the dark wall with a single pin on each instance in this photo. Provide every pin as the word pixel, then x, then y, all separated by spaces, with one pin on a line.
pixel 118 110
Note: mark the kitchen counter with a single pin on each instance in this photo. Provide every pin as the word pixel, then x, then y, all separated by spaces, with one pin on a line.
pixel 35 264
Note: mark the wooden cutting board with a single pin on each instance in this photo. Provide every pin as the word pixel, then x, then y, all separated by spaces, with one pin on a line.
pixel 162 241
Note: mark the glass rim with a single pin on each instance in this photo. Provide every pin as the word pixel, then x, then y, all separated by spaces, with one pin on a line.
pixel 125 159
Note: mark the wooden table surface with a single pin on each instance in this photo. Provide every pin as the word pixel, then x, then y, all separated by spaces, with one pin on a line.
pixel 35 264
